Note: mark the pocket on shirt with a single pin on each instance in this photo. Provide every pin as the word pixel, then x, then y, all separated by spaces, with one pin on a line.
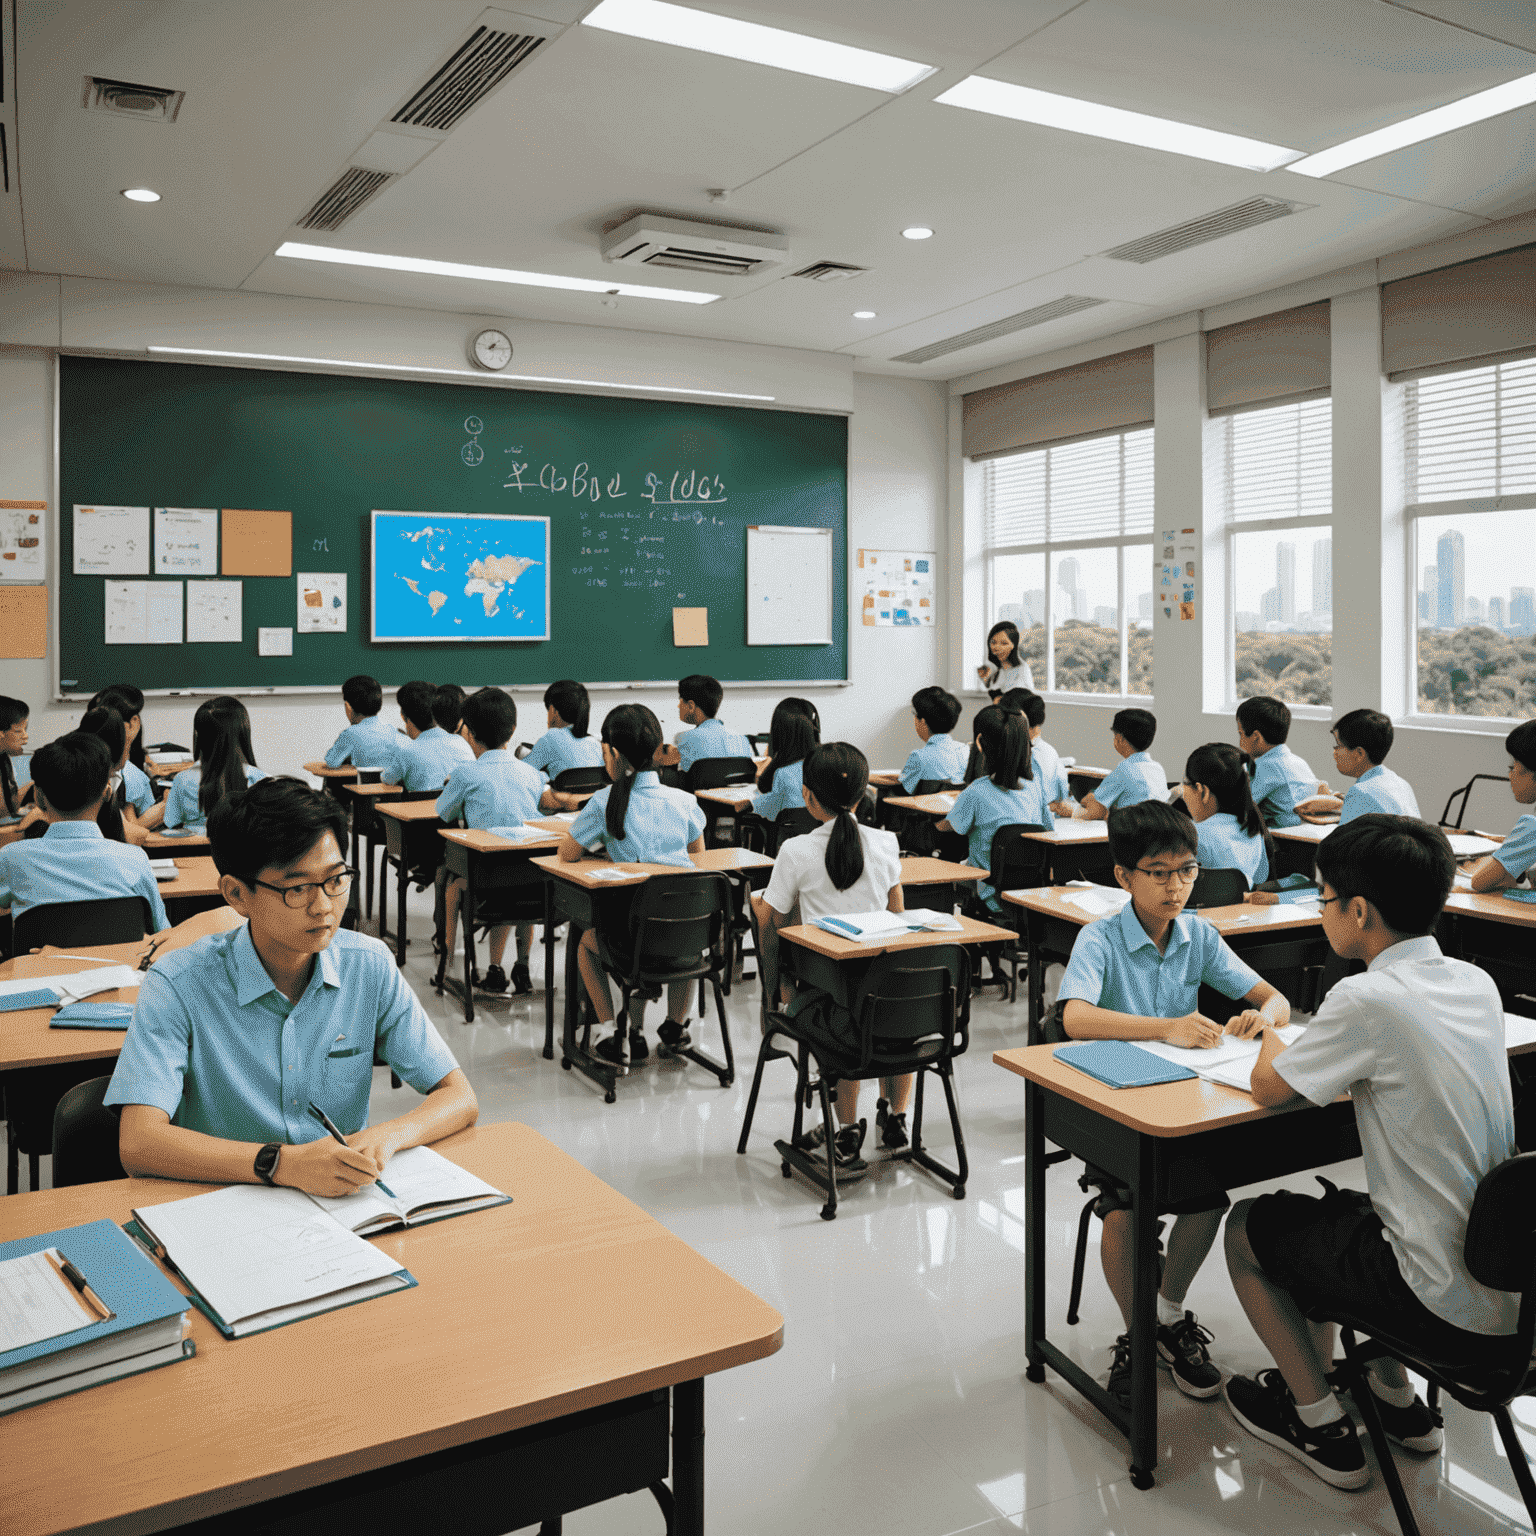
pixel 347 1078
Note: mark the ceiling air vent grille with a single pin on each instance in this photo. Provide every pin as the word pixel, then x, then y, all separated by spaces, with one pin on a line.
pixel 148 103
pixel 1057 309
pixel 685 260
pixel 344 197
pixel 1210 226
pixel 476 67
pixel 828 272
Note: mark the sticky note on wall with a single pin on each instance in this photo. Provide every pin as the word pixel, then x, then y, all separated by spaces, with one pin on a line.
pixel 23 623
pixel 257 543
pixel 690 626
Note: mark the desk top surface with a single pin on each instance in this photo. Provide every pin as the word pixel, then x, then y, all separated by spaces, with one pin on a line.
pixel 1073 832
pixel 1493 907
pixel 1238 919
pixel 807 936
pixel 158 846
pixel 409 810
pixel 712 860
pixel 923 871
pixel 448 1363
pixel 730 794
pixel 1307 832
pixel 169 770
pixel 489 842
pixel 194 877
pixel 884 778
pixel 372 791
pixel 927 805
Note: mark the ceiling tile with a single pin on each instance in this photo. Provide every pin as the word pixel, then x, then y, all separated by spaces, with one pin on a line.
pixel 1512 21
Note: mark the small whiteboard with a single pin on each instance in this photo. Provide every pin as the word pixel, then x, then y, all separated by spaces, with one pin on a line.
pixel 789 586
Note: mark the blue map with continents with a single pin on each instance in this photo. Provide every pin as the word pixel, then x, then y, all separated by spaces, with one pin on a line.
pixel 450 576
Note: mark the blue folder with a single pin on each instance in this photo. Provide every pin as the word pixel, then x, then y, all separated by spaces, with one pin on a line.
pixel 1121 1064
pixel 1518 893
pixel 38 997
pixel 93 1016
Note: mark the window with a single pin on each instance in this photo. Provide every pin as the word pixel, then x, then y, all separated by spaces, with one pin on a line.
pixel 1470 475
pixel 1081 514
pixel 1278 494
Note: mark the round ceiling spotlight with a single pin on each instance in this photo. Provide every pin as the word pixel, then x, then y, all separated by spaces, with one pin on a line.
pixel 140 195
pixel 864 314
pixel 917 232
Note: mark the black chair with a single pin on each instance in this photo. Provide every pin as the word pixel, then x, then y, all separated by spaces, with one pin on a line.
pixel 85 1136
pixel 758 740
pixel 719 773
pixel 116 920
pixel 1015 864
pixel 578 781
pixel 677 932
pixel 769 836
pixel 916 831
pixel 1500 1252
pixel 1465 794
pixel 522 749
pixel 1218 888
pixel 504 893
pixel 909 1014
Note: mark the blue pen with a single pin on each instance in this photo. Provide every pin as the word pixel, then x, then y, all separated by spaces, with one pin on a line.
pixel 329 1124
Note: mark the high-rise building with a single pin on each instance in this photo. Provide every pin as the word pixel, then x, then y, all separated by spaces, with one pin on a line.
pixel 1108 617
pixel 1322 576
pixel 1066 582
pixel 1450 579
pixel 1143 605
pixel 1472 611
pixel 1034 608
pixel 1269 608
pixel 1285 581
pixel 1247 620
pixel 1522 610
pixel 1496 612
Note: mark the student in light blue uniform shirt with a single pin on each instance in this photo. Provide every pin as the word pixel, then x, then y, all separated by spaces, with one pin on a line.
pixel 1362 739
pixel 1044 760
pixel 1137 976
pixel 221 743
pixel 1281 780
pixel 1517 853
pixel 698 703
pixel 793 733
pixel 1228 826
pixel 1135 777
pixel 72 862
pixel 369 740
pixel 566 743
pixel 935 713
pixel 1008 794
pixel 638 821
pixel 427 754
pixel 235 1036
pixel 15 761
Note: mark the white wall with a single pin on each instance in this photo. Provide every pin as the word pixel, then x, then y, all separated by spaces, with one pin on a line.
pixel 897 466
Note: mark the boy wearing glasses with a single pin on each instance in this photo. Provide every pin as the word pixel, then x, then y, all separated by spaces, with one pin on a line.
pixel 237 1035
pixel 1137 976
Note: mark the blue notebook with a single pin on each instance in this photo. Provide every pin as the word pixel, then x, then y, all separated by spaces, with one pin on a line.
pixel 1121 1064
pixel 1516 893
pixel 93 1016
pixel 38 997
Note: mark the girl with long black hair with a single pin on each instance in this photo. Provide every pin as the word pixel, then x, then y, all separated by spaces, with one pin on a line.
pixel 566 743
pixel 226 761
pixel 1230 830
pixel 793 733
pixel 1005 666
pixel 14 714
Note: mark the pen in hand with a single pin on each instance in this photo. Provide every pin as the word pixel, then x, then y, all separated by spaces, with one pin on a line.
pixel 330 1126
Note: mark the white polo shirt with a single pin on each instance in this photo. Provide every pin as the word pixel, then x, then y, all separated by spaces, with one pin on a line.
pixel 800 875
pixel 1418 1040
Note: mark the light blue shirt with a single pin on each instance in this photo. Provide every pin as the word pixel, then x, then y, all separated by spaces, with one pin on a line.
pixel 1046 762
pixel 216 1046
pixel 1115 965
pixel 181 807
pixel 1378 789
pixel 982 808
pixel 1132 780
pixel 557 750
pixel 940 757
pixel 493 791
pixel 1224 845
pixel 659 823
pixel 138 789
pixel 73 862
pixel 426 762
pixel 1517 853
pixel 711 740
pixel 788 782
pixel 370 743
pixel 1280 781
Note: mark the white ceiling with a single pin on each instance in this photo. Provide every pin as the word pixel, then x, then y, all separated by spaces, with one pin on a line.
pixel 281 93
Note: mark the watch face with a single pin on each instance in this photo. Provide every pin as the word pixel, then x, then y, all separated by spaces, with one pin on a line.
pixel 492 349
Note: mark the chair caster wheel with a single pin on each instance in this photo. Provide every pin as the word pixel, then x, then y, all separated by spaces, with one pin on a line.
pixel 727 1078
pixel 1140 1479
pixel 610 1097
pixel 785 1169
pixel 1035 1373
pixel 829 1213
pixel 958 1192
pixel 565 1063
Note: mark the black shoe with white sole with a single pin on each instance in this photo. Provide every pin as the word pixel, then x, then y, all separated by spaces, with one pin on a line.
pixel 1263 1405
pixel 522 982
pixel 1182 1352
pixel 1414 1428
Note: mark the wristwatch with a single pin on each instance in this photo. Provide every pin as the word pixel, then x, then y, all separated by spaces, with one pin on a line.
pixel 266 1162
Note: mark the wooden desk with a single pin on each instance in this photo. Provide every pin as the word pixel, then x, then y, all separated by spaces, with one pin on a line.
pixel 939 805
pixel 168 770
pixel 1077 850
pixel 362 801
pixel 820 942
pixel 483 1399
pixel 195 889
pixel 409 828
pixel 1083 779
pixel 158 845
pixel 1296 848
pixel 1495 934
pixel 735 797
pixel 936 884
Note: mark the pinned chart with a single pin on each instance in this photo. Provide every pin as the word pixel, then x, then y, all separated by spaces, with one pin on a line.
pixel 143 613
pixel 186 541
pixel 322 603
pixel 214 612
pixel 23 541
pixel 896 588
pixel 111 541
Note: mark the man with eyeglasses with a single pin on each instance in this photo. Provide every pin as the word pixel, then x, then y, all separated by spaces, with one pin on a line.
pixel 236 1036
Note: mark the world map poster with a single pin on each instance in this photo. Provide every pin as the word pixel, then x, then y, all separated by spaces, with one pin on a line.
pixel 451 576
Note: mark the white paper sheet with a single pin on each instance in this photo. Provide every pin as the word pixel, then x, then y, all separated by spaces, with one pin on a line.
pixel 142 613
pixel 1465 846
pixel 1230 1062
pixel 186 541
pixel 322 602
pixel 1101 900
pixel 37 1302
pixel 214 612
pixel 274 642
pixel 77 986
pixel 111 541
pixel 23 541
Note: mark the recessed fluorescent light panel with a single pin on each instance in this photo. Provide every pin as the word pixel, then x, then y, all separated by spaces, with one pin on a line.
pixel 1427 125
pixel 140 195
pixel 490 274
pixel 683 27
pixel 456 373
pixel 865 314
pixel 917 232
pixel 1026 105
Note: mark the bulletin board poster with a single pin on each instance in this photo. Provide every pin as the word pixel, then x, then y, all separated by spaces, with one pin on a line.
pixel 1178 574
pixel 896 588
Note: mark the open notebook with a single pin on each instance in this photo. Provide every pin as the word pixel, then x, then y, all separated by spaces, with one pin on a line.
pixel 426 1187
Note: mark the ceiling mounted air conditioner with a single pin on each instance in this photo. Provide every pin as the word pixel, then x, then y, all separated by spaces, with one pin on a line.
pixel 650 240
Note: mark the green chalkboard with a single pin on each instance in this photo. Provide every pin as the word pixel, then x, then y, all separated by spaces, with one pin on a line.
pixel 330 450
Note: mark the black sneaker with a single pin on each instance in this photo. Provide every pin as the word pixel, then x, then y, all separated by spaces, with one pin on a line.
pixel 495 980
pixel 610 1049
pixel 1414 1427
pixel 893 1134
pixel 522 982
pixel 1263 1405
pixel 847 1147
pixel 674 1035
pixel 1119 1384
pixel 1181 1350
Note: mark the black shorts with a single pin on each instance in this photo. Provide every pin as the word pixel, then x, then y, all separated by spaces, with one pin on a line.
pixel 1333 1257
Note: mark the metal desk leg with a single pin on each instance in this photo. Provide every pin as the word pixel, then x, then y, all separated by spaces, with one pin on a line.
pixel 467 933
pixel 688 1458
pixel 549 968
pixel 1034 1229
pixel 1144 1287
pixel 400 883
pixel 1035 930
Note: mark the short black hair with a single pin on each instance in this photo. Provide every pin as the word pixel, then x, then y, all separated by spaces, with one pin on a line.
pixel 1521 744
pixel 1138 726
pixel 704 692
pixel 272 825
pixel 364 694
pixel 1136 832
pixel 1403 866
pixel 72 772
pixel 491 717
pixel 448 706
pixel 1367 728
pixel 415 701
pixel 1270 718
pixel 1028 703
pixel 937 708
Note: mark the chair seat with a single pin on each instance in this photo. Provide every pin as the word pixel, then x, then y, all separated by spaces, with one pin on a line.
pixel 1474 1376
pixel 891 1056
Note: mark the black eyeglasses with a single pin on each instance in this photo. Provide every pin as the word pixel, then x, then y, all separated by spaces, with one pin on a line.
pixel 297 896
pixel 1184 874
pixel 1323 901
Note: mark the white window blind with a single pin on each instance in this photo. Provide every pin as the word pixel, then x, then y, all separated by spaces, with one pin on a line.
pixel 1280 461
pixel 1100 488
pixel 1472 434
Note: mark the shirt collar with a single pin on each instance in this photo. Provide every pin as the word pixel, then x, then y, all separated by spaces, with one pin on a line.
pixel 1137 937
pixel 1373 772
pixel 1138 757
pixel 67 829
pixel 496 755
pixel 647 779
pixel 937 737
pixel 1424 947
pixel 431 730
pixel 251 979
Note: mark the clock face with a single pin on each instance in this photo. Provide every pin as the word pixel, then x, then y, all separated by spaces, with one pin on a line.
pixel 492 349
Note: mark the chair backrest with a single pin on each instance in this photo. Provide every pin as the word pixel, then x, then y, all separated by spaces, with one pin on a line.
pixel 914 994
pixel 717 772
pixel 759 741
pixel 1218 888
pixel 1464 794
pixel 930 787
pixel 678 917
pixel 85 1136
pixel 1500 1247
pixel 795 822
pixel 1017 865
pixel 522 749
pixel 116 920
pixel 575 781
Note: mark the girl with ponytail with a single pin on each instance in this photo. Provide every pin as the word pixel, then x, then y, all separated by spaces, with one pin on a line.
pixel 842 867
pixel 221 743
pixel 792 734
pixel 566 743
pixel 1219 796
pixel 637 821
